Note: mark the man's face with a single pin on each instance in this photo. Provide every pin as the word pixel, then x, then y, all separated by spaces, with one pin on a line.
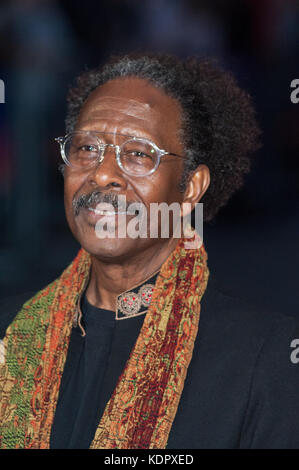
pixel 134 107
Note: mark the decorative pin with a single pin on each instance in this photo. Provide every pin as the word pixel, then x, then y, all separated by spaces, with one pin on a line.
pixel 130 303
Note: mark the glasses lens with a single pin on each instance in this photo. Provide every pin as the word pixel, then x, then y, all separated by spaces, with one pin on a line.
pixel 82 150
pixel 138 157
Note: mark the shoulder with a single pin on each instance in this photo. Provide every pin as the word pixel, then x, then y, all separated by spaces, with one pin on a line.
pixel 9 308
pixel 242 336
pixel 226 313
pixel 251 355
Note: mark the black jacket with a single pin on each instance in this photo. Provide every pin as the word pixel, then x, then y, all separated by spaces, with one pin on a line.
pixel 241 389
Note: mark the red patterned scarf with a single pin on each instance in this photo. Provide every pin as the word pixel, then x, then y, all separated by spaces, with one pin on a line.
pixel 141 410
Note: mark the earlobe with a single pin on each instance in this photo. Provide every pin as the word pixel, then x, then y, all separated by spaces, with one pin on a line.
pixel 61 168
pixel 197 185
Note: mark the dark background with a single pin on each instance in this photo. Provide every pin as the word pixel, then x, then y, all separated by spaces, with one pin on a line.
pixel 253 242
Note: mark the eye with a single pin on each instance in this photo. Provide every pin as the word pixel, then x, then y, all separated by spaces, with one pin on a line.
pixel 137 153
pixel 88 148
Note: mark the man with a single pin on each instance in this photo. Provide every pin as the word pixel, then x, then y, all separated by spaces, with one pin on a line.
pixel 132 346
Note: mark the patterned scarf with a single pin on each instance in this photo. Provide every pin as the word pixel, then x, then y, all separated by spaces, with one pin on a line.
pixel 141 410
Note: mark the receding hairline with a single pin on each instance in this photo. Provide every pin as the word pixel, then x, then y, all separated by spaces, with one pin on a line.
pixel 149 84
pixel 151 102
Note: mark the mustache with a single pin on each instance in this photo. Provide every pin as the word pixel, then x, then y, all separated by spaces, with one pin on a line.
pixel 84 201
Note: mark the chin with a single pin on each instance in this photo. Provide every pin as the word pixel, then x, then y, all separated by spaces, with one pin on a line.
pixel 112 249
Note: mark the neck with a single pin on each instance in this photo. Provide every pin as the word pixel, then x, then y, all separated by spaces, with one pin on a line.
pixel 109 280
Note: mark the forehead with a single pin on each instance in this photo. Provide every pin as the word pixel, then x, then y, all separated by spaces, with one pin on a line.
pixel 131 106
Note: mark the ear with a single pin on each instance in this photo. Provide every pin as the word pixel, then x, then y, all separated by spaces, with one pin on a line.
pixel 197 185
pixel 61 168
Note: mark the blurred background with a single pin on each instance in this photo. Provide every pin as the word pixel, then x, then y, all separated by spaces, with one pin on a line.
pixel 44 44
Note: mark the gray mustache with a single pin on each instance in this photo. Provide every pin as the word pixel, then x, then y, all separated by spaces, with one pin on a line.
pixel 89 200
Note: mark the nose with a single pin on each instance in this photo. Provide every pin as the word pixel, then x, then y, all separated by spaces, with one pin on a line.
pixel 107 173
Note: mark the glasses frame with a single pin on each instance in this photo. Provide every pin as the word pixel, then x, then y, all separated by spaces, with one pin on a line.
pixel 102 147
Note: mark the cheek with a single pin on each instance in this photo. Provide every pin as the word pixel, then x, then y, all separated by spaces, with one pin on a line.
pixel 159 187
pixel 165 183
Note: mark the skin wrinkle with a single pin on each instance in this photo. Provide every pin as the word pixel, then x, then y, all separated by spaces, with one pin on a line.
pixel 115 136
pixel 133 107
pixel 130 116
pixel 219 120
pixel 117 264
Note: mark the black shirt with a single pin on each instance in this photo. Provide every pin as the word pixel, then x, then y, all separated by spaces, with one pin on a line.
pixel 241 389
pixel 84 393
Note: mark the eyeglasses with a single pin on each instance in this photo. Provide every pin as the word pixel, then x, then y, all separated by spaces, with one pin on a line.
pixel 136 156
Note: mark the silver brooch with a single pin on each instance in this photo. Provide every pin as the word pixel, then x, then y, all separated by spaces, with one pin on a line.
pixel 131 304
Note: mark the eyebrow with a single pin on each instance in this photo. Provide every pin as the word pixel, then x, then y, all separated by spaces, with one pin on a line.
pixel 103 132
pixel 139 134
pixel 150 139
